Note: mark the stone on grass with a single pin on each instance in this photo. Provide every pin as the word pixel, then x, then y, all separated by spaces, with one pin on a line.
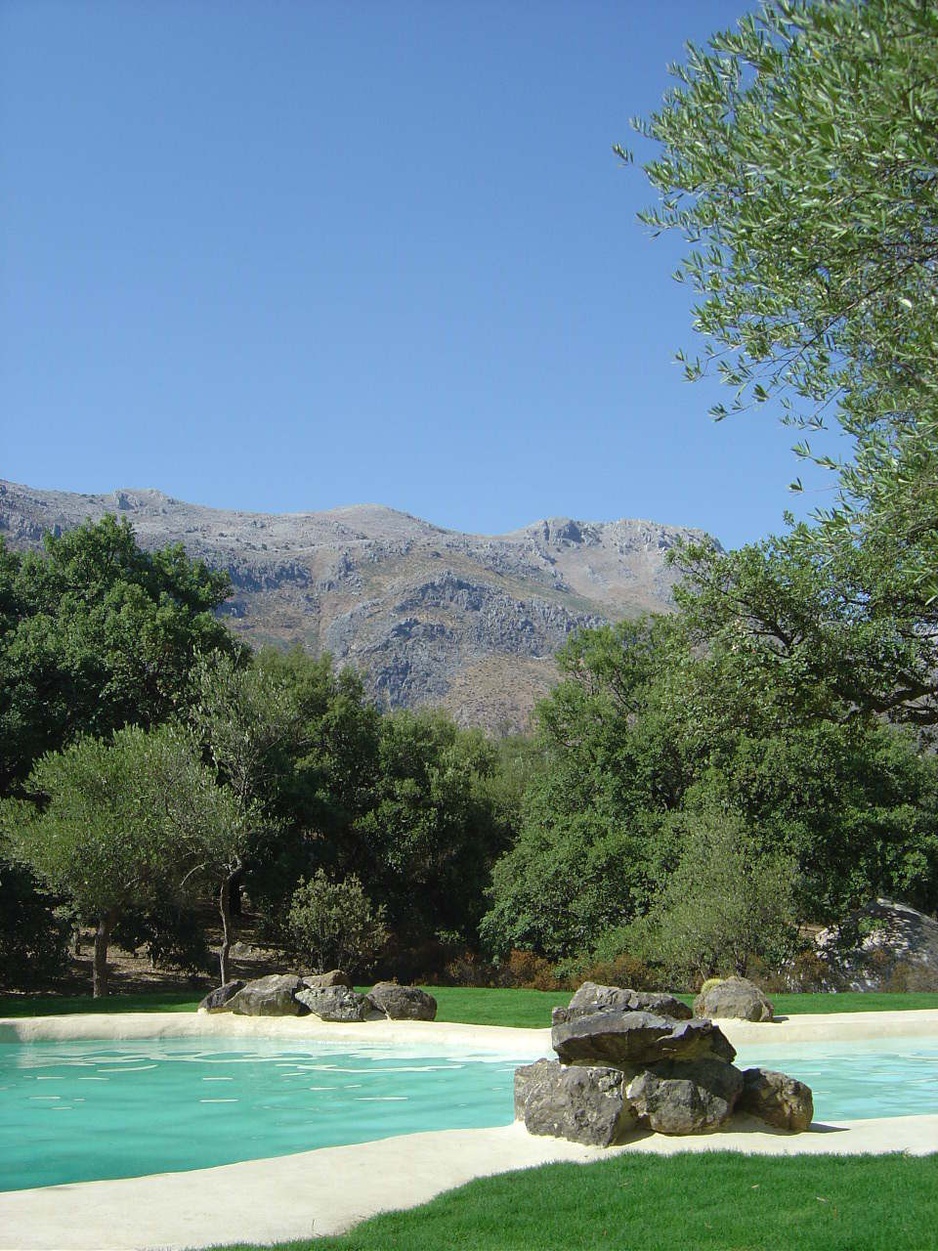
pixel 218 1000
pixel 333 1003
pixel 686 1097
pixel 403 1003
pixel 777 1099
pixel 626 1039
pixel 734 997
pixel 594 998
pixel 583 1104
pixel 269 996
pixel 335 977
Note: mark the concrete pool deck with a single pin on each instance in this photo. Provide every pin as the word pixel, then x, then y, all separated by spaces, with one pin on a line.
pixel 327 1191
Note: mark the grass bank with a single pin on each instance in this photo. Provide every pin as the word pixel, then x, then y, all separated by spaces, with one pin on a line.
pixel 721 1201
pixel 532 1008
pixel 65 1005
pixel 519 1009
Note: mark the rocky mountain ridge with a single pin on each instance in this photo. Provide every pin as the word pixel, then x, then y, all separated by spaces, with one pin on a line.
pixel 428 615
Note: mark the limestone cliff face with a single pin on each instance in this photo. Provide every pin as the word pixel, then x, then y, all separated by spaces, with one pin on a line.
pixel 428 616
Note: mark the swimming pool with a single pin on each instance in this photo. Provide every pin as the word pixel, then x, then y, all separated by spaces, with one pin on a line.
pixel 80 1111
pixel 853 1081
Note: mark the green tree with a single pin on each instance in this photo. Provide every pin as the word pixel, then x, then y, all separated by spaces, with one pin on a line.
pixel 115 822
pixel 750 702
pixel 96 634
pixel 798 160
pixel 855 807
pixel 798 157
pixel 800 631
pixel 585 859
pixel 726 901
pixel 425 844
pixel 251 723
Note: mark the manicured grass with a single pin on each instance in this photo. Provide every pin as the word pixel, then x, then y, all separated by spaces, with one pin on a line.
pixel 531 1008
pixel 717 1200
pixel 853 1001
pixel 55 1005
pixel 522 1009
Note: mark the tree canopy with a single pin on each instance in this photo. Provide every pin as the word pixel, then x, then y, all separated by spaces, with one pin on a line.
pixel 117 820
pixel 798 159
pixel 95 634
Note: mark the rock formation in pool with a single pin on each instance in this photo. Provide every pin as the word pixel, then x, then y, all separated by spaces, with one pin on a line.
pixel 630 1061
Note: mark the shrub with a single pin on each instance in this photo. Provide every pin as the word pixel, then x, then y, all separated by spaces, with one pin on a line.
pixel 528 970
pixel 469 969
pixel 333 925
pixel 727 902
pixel 624 970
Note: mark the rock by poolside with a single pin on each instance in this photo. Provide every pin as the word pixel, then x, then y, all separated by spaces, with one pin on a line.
pixel 626 1039
pixel 402 1003
pixel 328 996
pixel 626 1064
pixel 334 1003
pixel 686 1097
pixel 583 1104
pixel 273 995
pixel 777 1099
pixel 594 998
pixel 734 997
pixel 217 1000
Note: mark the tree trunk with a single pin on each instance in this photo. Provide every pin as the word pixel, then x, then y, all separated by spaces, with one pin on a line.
pixel 234 894
pixel 99 967
pixel 224 907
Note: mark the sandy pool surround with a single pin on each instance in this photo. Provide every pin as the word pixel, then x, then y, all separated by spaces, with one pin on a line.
pixel 326 1191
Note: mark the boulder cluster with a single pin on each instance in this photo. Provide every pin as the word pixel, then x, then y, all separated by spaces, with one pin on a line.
pixel 631 1060
pixel 329 996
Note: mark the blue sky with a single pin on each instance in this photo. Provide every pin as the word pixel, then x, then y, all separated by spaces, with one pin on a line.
pixel 285 255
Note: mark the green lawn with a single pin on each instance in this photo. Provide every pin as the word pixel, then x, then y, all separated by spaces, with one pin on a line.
pixel 719 1200
pixel 531 1008
pixel 63 1005
pixel 470 1005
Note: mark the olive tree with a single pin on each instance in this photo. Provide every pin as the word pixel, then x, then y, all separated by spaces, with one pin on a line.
pixel 797 157
pixel 115 821
pixel 252 726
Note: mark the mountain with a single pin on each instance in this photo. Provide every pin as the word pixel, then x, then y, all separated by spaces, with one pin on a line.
pixel 427 615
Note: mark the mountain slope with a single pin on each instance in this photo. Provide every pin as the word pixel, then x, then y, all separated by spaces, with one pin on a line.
pixel 429 616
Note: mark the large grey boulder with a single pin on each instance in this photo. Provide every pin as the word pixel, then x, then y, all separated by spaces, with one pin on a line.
pixel 627 1039
pixel 686 1097
pixel 334 1003
pixel 777 1099
pixel 882 946
pixel 594 998
pixel 734 997
pixel 403 1003
pixel 582 1104
pixel 219 999
pixel 273 995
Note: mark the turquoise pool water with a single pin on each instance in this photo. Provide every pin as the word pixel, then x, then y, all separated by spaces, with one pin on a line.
pixel 859 1080
pixel 80 1111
